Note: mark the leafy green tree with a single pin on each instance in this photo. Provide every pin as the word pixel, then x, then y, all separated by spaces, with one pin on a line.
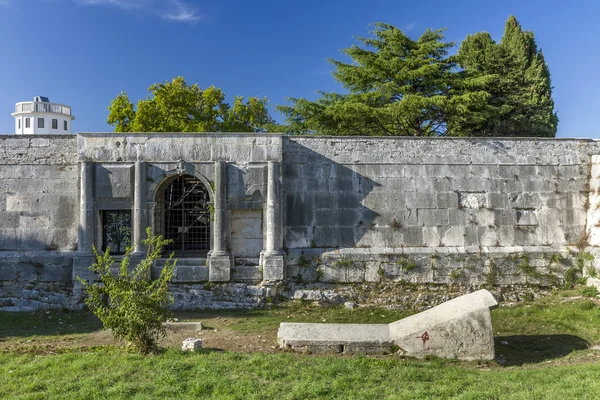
pixel 176 106
pixel 130 304
pixel 396 86
pixel 521 92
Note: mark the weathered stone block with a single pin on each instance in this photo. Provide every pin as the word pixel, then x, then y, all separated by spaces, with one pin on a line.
pixel 273 267
pixel 189 273
pixel 8 272
pixel 51 273
pixel 219 268
pixel 460 328
pixel 447 200
pixel 421 200
pixel 191 344
pixel 472 199
pixel 432 217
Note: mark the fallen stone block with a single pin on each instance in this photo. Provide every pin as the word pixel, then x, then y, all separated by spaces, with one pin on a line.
pixel 183 326
pixel 335 338
pixel 191 344
pixel 460 328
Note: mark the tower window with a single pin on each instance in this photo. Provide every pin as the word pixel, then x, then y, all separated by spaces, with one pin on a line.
pixel 65 125
pixel 27 122
pixel 19 123
pixel 54 123
pixel 40 122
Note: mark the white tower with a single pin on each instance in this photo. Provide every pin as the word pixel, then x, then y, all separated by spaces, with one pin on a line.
pixel 40 117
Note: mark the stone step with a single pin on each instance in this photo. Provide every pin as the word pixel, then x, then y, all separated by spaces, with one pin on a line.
pixel 191 262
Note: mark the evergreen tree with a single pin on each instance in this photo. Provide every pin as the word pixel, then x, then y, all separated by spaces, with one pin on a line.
pixel 397 86
pixel 521 92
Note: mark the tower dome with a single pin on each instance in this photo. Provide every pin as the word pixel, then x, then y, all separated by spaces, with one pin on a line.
pixel 41 117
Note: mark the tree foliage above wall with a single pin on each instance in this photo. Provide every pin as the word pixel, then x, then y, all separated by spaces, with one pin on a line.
pixel 398 86
pixel 176 106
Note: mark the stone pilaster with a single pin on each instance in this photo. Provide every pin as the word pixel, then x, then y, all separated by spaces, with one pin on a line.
pixel 85 235
pixel 219 258
pixel 140 221
pixel 272 257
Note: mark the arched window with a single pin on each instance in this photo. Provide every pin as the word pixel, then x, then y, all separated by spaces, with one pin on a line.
pixel 184 216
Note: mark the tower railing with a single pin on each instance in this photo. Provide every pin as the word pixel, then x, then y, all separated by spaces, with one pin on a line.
pixel 31 106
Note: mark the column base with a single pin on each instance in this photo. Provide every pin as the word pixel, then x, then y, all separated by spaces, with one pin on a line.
pixel 81 269
pixel 273 266
pixel 219 267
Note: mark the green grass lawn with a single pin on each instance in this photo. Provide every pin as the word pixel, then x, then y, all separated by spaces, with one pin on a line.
pixel 545 344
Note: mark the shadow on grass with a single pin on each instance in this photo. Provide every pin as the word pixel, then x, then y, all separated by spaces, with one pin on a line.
pixel 47 323
pixel 531 349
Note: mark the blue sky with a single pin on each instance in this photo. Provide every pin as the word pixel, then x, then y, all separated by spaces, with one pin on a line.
pixel 84 52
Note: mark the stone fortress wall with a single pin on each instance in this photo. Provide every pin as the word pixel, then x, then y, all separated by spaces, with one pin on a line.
pixel 302 209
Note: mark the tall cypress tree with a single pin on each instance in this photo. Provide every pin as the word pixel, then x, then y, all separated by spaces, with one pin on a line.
pixel 521 93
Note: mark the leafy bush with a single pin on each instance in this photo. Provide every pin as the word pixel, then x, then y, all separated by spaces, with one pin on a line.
pixel 589 291
pixel 132 305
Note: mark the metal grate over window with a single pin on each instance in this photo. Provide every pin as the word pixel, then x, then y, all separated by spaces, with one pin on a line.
pixel 116 230
pixel 187 216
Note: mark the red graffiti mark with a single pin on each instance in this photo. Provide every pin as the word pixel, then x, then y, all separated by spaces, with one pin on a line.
pixel 424 337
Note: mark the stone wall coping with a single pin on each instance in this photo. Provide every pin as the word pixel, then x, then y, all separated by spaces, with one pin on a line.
pixel 36 136
pixel 180 134
pixel 333 253
pixel 293 137
pixel 442 138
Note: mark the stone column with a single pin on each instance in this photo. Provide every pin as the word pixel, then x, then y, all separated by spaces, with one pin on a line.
pixel 84 258
pixel 273 257
pixel 85 234
pixel 219 257
pixel 139 209
pixel 151 210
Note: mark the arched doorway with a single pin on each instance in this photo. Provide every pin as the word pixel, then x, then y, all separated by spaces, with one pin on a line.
pixel 185 216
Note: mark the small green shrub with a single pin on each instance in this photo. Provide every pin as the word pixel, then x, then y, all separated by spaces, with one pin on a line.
pixel 570 277
pixel 527 268
pixel 303 261
pixel 589 291
pixel 344 263
pixel 528 296
pixel 490 278
pixel 584 259
pixel 587 305
pixel 591 271
pixel 318 274
pixel 132 305
pixel 455 274
pixel 406 264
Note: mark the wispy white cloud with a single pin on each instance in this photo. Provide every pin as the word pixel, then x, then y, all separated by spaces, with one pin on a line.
pixel 181 13
pixel 125 4
pixel 5 3
pixel 172 10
